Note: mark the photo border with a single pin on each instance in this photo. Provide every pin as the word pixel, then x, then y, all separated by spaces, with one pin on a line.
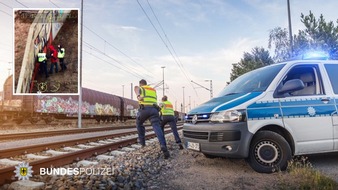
pixel 78 53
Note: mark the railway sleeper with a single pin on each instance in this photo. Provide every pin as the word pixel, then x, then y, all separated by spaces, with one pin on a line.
pixel 33 120
pixel 49 119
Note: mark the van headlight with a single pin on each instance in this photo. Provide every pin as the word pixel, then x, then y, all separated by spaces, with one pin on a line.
pixel 229 116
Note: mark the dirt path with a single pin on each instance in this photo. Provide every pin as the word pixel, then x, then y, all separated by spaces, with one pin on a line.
pixel 192 170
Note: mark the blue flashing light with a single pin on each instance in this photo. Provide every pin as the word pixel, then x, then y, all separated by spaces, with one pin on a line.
pixel 205 116
pixel 316 55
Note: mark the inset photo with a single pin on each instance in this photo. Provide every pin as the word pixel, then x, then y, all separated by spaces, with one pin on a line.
pixel 46 57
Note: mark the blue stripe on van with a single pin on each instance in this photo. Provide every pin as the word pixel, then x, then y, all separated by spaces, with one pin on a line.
pixel 290 108
pixel 264 113
pixel 264 104
pixel 237 102
pixel 308 111
pixel 224 102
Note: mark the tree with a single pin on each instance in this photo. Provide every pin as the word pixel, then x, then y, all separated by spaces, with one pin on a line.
pixel 279 37
pixel 318 35
pixel 258 57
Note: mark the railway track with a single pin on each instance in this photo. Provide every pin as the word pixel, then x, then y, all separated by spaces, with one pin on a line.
pixel 30 135
pixel 60 132
pixel 86 122
pixel 7 173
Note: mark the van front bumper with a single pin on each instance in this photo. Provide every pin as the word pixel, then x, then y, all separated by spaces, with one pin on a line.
pixel 221 139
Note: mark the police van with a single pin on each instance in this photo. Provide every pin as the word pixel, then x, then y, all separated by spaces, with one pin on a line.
pixel 269 115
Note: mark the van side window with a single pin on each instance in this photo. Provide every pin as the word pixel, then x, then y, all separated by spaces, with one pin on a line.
pixel 332 71
pixel 310 76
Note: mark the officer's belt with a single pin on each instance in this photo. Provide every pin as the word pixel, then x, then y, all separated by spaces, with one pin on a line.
pixel 148 106
pixel 144 106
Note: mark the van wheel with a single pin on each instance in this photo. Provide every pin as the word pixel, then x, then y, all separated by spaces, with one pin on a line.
pixel 269 152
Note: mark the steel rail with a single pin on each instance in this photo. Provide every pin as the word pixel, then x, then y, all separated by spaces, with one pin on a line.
pixel 38 134
pixel 59 132
pixel 7 174
pixel 6 153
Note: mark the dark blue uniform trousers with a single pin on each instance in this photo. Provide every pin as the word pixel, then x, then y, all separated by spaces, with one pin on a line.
pixel 152 114
pixel 172 122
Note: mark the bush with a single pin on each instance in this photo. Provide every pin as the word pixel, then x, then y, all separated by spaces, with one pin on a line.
pixel 305 177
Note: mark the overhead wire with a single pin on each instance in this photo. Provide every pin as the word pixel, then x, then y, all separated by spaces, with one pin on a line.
pixel 6 13
pixel 106 42
pixel 92 47
pixel 119 51
pixel 99 51
pixel 166 36
pixel 128 70
pixel 6 5
pixel 171 53
pixel 21 3
pixel 54 4
pixel 109 63
pixel 99 58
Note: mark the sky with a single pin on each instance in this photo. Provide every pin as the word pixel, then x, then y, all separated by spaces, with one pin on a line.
pixel 178 40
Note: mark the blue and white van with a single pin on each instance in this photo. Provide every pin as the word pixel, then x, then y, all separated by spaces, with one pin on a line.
pixel 269 115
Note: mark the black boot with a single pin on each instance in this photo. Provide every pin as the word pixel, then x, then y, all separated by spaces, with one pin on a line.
pixel 181 146
pixel 165 152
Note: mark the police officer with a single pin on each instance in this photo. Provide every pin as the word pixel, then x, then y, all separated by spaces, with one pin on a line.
pixel 61 56
pixel 168 116
pixel 42 59
pixel 149 110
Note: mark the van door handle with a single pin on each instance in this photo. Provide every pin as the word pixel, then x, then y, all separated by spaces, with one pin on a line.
pixel 325 100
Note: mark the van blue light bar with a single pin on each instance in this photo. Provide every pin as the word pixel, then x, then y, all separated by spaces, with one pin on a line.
pixel 316 55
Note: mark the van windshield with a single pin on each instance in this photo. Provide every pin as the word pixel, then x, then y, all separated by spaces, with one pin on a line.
pixel 254 81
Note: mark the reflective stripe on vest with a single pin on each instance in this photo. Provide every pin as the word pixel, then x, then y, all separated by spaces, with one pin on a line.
pixel 167 108
pixel 42 57
pixel 61 54
pixel 149 95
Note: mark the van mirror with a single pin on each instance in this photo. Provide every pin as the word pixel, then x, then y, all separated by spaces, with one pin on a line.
pixel 291 86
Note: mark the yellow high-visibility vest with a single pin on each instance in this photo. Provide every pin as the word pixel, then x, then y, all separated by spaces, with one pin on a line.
pixel 42 57
pixel 149 95
pixel 167 108
pixel 61 54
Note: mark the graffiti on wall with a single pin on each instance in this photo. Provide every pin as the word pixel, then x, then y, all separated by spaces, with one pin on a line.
pixel 49 104
pixel 105 109
pixel 132 111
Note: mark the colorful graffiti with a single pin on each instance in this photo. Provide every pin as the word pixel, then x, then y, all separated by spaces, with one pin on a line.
pixel 48 104
pixel 105 109
pixel 132 111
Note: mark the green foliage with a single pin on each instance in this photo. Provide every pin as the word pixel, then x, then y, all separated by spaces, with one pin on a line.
pixel 279 37
pixel 318 35
pixel 305 177
pixel 258 57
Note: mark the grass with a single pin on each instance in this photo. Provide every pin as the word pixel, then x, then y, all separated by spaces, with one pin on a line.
pixel 304 177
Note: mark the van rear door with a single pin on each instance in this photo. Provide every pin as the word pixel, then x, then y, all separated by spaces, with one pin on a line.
pixel 332 70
